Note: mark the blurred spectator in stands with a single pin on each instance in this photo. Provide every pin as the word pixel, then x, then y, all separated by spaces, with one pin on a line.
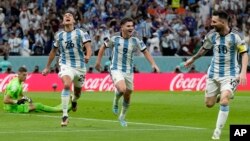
pixel 36 69
pixel 190 22
pixel 24 50
pixel 156 52
pixel 90 69
pixel 9 70
pixel 105 69
pixel 169 43
pixel 177 69
pixel 38 46
pixel 96 43
pixel 4 64
pixel 24 19
pixel 14 43
pixel 2 16
pixel 193 69
pixel 153 42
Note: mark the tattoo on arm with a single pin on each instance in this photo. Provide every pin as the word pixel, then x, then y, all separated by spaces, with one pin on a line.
pixel 200 53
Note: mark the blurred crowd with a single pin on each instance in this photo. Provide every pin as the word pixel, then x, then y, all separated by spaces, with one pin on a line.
pixel 168 27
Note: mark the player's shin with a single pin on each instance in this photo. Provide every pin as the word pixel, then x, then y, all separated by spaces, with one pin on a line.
pixel 45 108
pixel 222 116
pixel 65 96
pixel 117 97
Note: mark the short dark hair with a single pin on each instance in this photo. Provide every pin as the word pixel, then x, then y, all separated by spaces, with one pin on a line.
pixel 222 14
pixel 22 69
pixel 125 20
pixel 71 12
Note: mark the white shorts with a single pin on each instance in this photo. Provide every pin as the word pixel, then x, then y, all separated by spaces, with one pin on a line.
pixel 127 77
pixel 77 75
pixel 216 86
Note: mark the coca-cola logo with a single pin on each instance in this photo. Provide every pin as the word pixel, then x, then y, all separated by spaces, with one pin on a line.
pixel 4 82
pixel 99 84
pixel 179 82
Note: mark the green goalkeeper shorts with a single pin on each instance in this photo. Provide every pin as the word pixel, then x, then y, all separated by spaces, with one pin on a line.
pixel 14 108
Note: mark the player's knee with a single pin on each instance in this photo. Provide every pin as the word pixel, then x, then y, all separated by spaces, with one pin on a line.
pixel 209 104
pixel 224 101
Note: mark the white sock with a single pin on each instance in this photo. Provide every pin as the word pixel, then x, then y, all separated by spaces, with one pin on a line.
pixel 65 101
pixel 222 116
pixel 124 110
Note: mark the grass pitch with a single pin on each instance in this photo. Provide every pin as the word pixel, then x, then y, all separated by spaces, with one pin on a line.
pixel 158 116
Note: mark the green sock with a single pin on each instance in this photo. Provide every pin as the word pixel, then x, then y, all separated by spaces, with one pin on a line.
pixel 45 108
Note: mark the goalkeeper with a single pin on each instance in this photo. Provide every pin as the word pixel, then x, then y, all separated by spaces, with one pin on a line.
pixel 16 102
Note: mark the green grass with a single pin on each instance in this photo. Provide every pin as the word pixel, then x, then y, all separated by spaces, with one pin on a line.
pixel 158 116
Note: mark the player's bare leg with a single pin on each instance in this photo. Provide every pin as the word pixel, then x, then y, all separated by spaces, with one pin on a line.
pixel 75 97
pixel 65 95
pixel 222 115
pixel 119 91
pixel 125 106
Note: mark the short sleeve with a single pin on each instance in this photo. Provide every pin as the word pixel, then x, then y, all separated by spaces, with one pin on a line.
pixel 207 43
pixel 241 45
pixel 140 44
pixel 85 37
pixel 56 40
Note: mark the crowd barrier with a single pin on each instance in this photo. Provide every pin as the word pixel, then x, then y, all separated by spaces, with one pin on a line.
pixel 103 82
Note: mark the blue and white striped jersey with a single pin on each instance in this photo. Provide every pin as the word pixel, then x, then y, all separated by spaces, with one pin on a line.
pixel 123 50
pixel 226 50
pixel 71 46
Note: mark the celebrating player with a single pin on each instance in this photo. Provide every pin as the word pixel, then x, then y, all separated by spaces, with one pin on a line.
pixel 71 43
pixel 123 45
pixel 224 74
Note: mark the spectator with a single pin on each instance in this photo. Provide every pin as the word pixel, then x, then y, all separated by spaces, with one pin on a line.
pixel 105 69
pixel 36 69
pixel 5 63
pixel 9 70
pixel 193 69
pixel 14 44
pixel 156 52
pixel 90 70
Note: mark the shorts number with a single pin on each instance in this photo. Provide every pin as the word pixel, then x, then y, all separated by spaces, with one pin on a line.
pixel 82 78
pixel 234 83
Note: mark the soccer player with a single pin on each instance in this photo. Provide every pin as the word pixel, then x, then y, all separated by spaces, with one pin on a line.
pixel 71 43
pixel 123 44
pixel 16 102
pixel 224 73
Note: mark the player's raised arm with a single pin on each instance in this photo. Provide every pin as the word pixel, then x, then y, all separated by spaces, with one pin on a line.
pixel 99 58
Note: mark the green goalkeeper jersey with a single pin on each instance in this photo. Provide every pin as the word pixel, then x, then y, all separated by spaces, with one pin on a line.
pixel 14 88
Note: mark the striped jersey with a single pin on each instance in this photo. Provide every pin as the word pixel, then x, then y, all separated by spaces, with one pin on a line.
pixel 71 45
pixel 225 53
pixel 123 50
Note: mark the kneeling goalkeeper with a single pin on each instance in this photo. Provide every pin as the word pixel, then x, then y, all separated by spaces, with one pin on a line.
pixel 16 102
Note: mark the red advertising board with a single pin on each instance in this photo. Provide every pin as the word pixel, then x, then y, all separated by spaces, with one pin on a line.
pixel 103 82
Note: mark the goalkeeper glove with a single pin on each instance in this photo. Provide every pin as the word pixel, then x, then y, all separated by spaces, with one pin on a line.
pixel 21 101
pixel 27 99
